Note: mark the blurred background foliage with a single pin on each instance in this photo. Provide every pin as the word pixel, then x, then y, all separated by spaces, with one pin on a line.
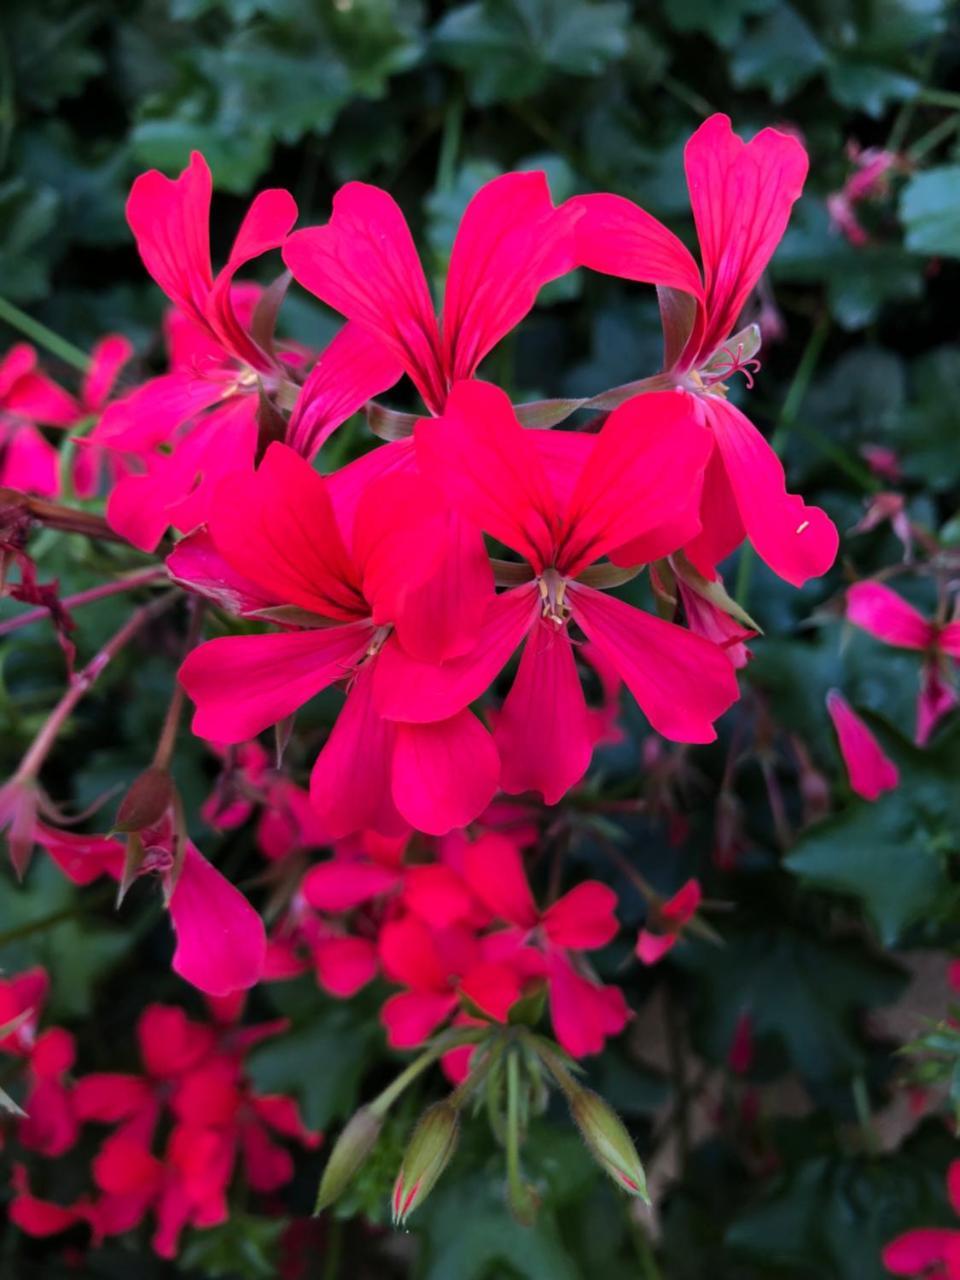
pixel 824 928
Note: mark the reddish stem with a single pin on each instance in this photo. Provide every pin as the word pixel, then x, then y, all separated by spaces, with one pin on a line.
pixel 141 579
pixel 82 682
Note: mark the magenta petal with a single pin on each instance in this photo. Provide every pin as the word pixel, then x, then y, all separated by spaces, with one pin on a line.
pixel 343 885
pixel 221 942
pixel 495 872
pixel 870 770
pixel 544 732
pixel 411 1016
pixel 797 542
pixel 418 692
pixel 584 918
pixel 243 684
pixel 913 1253
pixel 444 773
pixel 350 783
pixel 682 682
pixel 886 615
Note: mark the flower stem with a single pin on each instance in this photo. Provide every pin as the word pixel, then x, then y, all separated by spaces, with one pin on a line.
pixel 57 516
pixel 513 1125
pixel 141 579
pixel 45 337
pixel 450 1040
pixel 171 722
pixel 82 682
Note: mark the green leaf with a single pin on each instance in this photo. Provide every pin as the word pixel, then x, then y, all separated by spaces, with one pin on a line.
pixel 890 854
pixel 831 1216
pixel 800 992
pixel 930 211
pixel 780 53
pixel 321 1062
pixel 244 1248
pixel 77 951
pixel 508 48
pixel 27 215
pixel 724 23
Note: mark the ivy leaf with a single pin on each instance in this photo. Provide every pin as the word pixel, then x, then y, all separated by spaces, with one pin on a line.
pixel 508 48
pixel 890 854
pixel 244 1248
pixel 930 211
pixel 722 22
pixel 321 1062
pixel 832 1215
pixel 800 991
pixel 780 53
pixel 27 215
pixel 77 952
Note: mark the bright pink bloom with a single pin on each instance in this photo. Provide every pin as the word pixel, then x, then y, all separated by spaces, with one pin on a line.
pixel 545 945
pixel 438 966
pixel 562 501
pixel 870 770
pixel 29 399
pixel 221 943
pixel 279 527
pixel 668 920
pixel 933 1252
pixel 186 430
pixel 741 195
pixel 364 264
pixel 890 618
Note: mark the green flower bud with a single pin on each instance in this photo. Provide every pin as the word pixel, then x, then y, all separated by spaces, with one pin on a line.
pixel 349 1153
pixel 427 1155
pixel 606 1136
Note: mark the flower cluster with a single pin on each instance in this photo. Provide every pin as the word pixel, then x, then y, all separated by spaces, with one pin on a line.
pixel 481 585
pixel 170 1138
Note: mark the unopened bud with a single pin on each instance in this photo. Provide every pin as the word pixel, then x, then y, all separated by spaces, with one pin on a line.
pixel 348 1156
pixel 611 1146
pixel 427 1155
pixel 144 805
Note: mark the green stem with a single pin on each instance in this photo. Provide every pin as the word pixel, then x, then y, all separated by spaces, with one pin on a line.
pixel 450 1040
pixel 450 144
pixel 30 927
pixel 861 1101
pixel 513 1125
pixel 39 333
pixel 334 1251
pixel 933 137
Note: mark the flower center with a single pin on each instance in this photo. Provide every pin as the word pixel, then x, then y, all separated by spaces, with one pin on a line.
pixel 552 587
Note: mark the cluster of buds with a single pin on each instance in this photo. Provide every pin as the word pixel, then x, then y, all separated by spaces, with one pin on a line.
pixel 515 1068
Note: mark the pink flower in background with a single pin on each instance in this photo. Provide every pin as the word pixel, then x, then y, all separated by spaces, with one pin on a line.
pixel 741 194
pixel 221 943
pixel 886 615
pixel 563 501
pixel 932 1252
pixel 667 922
pixel 363 263
pixel 546 946
pixel 29 400
pixel 181 433
pixel 871 772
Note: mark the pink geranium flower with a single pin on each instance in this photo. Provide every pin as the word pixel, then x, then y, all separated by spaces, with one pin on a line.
pixel 562 501
pixel 547 945
pixel 870 770
pixel 184 431
pixel 279 527
pixel 932 1252
pixel 890 618
pixel 667 921
pixel 363 263
pixel 221 943
pixel 741 194
pixel 29 400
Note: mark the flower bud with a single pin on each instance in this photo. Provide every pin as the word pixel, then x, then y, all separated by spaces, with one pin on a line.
pixel 611 1146
pixel 427 1155
pixel 349 1154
